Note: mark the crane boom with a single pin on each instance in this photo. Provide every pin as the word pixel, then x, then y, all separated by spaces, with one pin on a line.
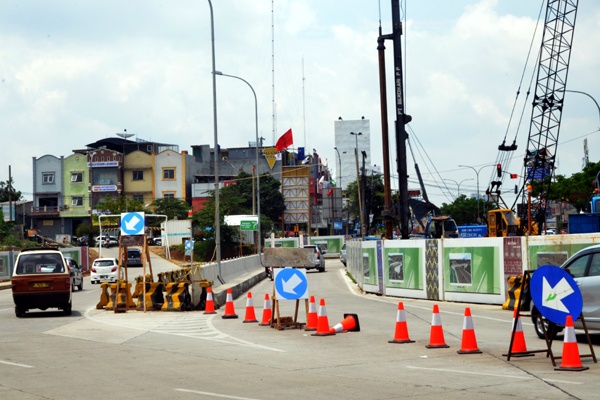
pixel 553 68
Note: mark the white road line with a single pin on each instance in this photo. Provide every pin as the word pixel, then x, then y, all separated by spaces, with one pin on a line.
pixel 488 374
pixel 193 325
pixel 224 396
pixel 16 364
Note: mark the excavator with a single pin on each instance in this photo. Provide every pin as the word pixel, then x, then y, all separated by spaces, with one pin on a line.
pixel 540 156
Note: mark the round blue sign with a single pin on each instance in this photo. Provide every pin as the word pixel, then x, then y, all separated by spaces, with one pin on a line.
pixel 556 294
pixel 291 283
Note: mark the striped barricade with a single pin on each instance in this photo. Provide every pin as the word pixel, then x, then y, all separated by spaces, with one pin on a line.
pixel 104 298
pixel 177 297
pixel 124 301
pixel 154 295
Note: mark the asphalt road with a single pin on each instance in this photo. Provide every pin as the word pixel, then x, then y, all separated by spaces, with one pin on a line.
pixel 97 354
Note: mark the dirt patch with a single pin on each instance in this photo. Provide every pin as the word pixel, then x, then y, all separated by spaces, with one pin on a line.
pixel 177 256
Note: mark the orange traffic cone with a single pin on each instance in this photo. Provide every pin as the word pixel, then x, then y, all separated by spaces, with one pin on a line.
pixel 570 360
pixel 469 342
pixel 323 321
pixel 311 320
pixel 267 312
pixel 210 304
pixel 229 309
pixel 436 336
pixel 348 324
pixel 401 333
pixel 250 314
pixel 519 347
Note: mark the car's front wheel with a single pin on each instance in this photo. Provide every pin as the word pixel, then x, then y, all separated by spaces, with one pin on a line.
pixel 80 286
pixel 541 324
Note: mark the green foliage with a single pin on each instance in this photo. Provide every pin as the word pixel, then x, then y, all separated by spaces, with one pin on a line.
pixel 7 191
pixel 172 208
pixel 373 200
pixel 576 190
pixel 119 205
pixel 464 210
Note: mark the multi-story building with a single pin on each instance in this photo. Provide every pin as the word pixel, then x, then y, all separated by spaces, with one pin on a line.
pixel 352 138
pixel 67 190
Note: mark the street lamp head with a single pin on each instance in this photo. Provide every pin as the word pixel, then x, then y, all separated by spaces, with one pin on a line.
pixel 218 73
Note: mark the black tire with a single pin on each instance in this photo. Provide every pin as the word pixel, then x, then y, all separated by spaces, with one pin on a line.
pixel 80 286
pixel 67 308
pixel 538 320
pixel 321 269
pixel 19 312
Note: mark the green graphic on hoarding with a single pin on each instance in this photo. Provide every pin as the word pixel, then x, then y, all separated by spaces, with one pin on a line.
pixel 472 270
pixel 402 268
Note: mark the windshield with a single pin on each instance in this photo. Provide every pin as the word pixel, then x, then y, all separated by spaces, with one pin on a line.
pixel 46 263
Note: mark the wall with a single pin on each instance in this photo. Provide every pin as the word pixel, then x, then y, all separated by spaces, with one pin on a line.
pixel 471 270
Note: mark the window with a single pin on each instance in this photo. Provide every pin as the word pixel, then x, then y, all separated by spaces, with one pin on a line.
pixel 138 175
pixel 76 176
pixel 578 266
pixel 169 195
pixel 47 177
pixel 77 201
pixel 168 173
pixel 138 197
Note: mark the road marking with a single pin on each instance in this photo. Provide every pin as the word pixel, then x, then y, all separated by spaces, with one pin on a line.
pixel 191 325
pixel 488 374
pixel 16 364
pixel 225 396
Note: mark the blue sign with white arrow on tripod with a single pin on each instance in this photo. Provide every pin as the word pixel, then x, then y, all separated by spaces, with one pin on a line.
pixel 290 283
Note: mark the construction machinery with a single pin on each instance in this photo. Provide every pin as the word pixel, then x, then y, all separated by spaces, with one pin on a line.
pixel 540 156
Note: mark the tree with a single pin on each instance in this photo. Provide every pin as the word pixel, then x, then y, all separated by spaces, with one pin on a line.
pixel 464 209
pixel 119 205
pixel 373 200
pixel 575 190
pixel 8 192
pixel 172 208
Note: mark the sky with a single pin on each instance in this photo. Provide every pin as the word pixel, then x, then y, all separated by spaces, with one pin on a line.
pixel 74 72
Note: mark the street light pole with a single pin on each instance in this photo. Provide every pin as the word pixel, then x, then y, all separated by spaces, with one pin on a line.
pixel 257 170
pixel 360 200
pixel 340 183
pixel 477 171
pixel 458 185
pixel 216 146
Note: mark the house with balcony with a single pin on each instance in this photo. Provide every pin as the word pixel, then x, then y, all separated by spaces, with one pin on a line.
pixel 47 195
pixel 76 198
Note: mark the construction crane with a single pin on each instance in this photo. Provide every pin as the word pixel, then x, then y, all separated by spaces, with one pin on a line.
pixel 540 156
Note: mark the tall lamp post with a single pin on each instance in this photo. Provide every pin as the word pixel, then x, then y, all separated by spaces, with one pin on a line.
pixel 216 145
pixel 477 171
pixel 257 171
pixel 458 185
pixel 340 181
pixel 356 135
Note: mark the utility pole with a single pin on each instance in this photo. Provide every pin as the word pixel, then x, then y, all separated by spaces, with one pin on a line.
pixel 400 211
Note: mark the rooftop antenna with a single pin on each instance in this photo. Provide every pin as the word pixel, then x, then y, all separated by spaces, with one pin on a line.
pixel 124 134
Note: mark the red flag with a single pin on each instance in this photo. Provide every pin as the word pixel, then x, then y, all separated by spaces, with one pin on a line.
pixel 285 141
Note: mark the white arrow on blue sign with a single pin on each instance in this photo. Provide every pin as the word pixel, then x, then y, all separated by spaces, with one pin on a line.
pixel 556 294
pixel 290 284
pixel 132 223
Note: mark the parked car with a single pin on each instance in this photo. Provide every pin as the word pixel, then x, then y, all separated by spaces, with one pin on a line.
pixel 41 280
pixel 155 241
pixel 106 241
pixel 584 267
pixel 75 273
pixel 105 270
pixel 319 260
pixel 343 254
pixel 134 257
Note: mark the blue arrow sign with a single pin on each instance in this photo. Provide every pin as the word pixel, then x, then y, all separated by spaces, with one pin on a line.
pixel 189 244
pixel 132 223
pixel 290 283
pixel 556 294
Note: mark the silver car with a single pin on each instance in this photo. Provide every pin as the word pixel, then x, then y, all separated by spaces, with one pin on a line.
pixel 584 267
pixel 319 260
pixel 75 273
pixel 343 254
